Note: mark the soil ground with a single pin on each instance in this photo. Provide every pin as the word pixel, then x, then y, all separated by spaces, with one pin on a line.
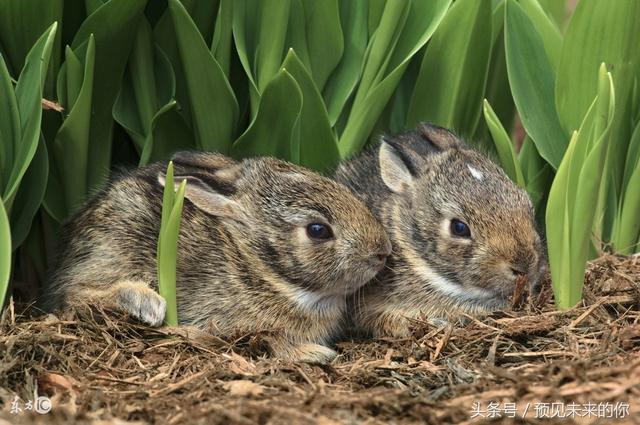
pixel 531 364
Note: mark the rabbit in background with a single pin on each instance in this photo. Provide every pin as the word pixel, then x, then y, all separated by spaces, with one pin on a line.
pixel 462 232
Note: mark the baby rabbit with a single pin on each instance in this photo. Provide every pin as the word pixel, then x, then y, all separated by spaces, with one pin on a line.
pixel 461 231
pixel 263 245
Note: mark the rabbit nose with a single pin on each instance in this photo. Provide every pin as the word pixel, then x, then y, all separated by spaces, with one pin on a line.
pixel 385 250
pixel 379 259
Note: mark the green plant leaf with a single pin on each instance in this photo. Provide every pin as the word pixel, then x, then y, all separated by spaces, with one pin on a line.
pixel 148 145
pixel 165 36
pixel 72 143
pixel 28 94
pixel 319 150
pixel 503 146
pixel 204 15
pixel 222 43
pixel 382 45
pixel 324 38
pixel 344 79
pixel 272 31
pixel 113 42
pixel 30 195
pixel 259 30
pixel 143 61
pixel 22 22
pixel 72 89
pixel 394 116
pixel 627 240
pixel 574 192
pixel 555 9
pixel 598 32
pixel 450 87
pixel 546 29
pixel 168 196
pixel 93 5
pixel 376 9
pixel 497 90
pixel 275 131
pixel 9 125
pixel 384 69
pixel 592 162
pixel 537 173
pixel 626 234
pixel 169 134
pixel 245 28
pixel 558 220
pixel 167 250
pixel 296 33
pixel 633 156
pixel 531 78
pixel 147 92
pixel 601 34
pixel 5 254
pixel 214 107
pixel 137 101
pixel 70 77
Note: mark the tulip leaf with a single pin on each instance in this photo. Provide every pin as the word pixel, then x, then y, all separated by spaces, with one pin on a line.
pixel 30 196
pixel 113 44
pixel 546 29
pixel 574 193
pixel 626 235
pixel 344 79
pixel 324 38
pixel 450 87
pixel 319 150
pixel 72 143
pixel 9 124
pixel 531 78
pixel 214 107
pixel 598 32
pixel 22 22
pixel 503 145
pixel 28 93
pixel 386 59
pixel 275 130
pixel 147 92
pixel 167 250
pixel 5 253
pixel 223 36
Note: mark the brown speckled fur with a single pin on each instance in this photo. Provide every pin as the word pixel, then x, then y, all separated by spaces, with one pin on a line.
pixel 250 268
pixel 440 187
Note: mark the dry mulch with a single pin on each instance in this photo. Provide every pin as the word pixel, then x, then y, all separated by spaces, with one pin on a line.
pixel 97 368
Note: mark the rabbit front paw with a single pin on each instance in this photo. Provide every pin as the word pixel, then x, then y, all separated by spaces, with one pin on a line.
pixel 311 353
pixel 142 303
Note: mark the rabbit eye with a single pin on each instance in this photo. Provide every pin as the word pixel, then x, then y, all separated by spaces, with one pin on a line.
pixel 319 231
pixel 458 228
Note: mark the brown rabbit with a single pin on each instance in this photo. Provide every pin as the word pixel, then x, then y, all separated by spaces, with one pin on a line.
pixel 263 245
pixel 461 231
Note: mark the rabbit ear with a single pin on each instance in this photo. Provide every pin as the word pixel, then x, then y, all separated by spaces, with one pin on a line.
pixel 438 137
pixel 215 202
pixel 395 168
pixel 209 161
